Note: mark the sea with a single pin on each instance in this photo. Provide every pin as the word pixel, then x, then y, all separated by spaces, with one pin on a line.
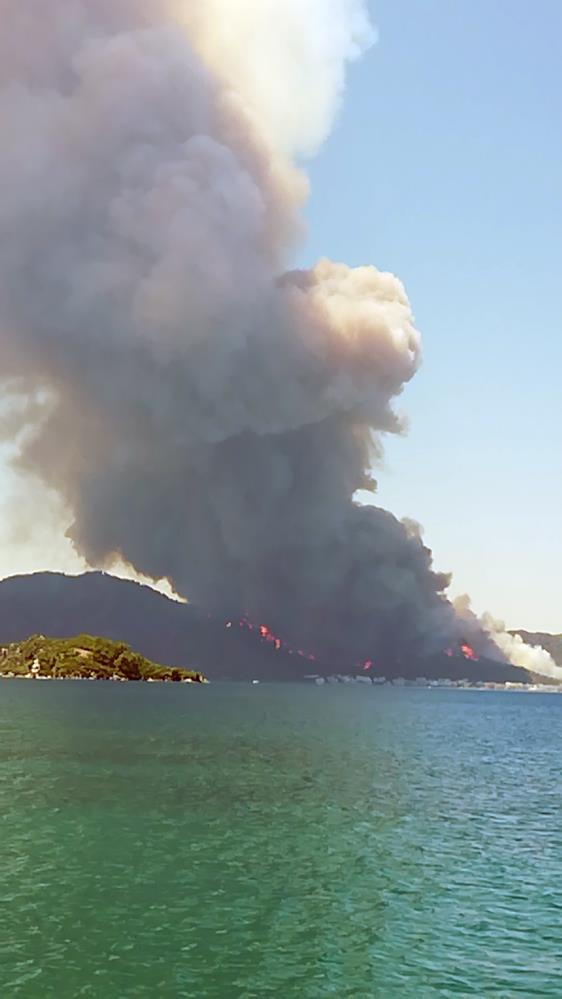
pixel 238 841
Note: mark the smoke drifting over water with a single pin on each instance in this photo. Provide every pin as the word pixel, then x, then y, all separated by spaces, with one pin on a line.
pixel 204 413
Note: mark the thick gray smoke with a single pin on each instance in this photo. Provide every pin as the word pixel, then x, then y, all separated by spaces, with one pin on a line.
pixel 205 414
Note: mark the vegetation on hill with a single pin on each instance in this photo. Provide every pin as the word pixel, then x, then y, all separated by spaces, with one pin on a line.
pixel 162 629
pixel 85 657
pixel 159 628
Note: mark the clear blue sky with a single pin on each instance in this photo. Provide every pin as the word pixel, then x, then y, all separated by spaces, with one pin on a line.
pixel 446 169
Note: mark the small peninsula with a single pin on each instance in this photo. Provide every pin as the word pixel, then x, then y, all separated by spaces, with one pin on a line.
pixel 85 657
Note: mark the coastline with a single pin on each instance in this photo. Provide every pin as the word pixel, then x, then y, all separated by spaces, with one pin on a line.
pixel 97 679
pixel 337 680
pixel 444 683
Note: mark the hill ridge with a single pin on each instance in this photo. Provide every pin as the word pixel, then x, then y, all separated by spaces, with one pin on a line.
pixel 166 630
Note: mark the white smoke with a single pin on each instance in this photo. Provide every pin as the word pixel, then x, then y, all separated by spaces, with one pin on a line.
pixel 206 415
pixel 533 658
pixel 285 59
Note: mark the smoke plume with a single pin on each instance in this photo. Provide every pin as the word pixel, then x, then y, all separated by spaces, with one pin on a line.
pixel 204 413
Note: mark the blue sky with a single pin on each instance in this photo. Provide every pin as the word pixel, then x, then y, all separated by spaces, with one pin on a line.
pixel 445 168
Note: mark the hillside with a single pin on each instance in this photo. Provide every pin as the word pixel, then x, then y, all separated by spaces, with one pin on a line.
pixel 552 643
pixel 163 630
pixel 85 657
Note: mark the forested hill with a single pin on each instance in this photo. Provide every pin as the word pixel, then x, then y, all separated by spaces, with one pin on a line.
pixel 166 631
pixel 161 629
pixel 95 603
pixel 85 657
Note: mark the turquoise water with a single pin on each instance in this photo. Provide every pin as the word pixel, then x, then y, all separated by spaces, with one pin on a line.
pixel 278 841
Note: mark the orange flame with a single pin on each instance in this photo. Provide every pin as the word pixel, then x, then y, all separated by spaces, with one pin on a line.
pixel 465 650
pixel 268 636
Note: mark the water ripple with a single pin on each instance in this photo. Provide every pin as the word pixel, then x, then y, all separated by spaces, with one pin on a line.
pixel 279 842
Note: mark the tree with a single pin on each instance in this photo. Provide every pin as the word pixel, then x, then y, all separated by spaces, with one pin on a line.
pixel 129 665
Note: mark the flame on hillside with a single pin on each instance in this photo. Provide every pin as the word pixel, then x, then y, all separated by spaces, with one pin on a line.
pixel 270 638
pixel 465 650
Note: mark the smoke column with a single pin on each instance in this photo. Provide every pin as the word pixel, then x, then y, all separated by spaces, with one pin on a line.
pixel 204 413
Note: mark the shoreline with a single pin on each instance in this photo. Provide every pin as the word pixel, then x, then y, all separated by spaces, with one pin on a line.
pixel 348 681
pixel 97 679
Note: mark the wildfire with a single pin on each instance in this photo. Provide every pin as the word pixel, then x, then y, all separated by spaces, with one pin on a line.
pixel 268 636
pixel 265 633
pixel 465 650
